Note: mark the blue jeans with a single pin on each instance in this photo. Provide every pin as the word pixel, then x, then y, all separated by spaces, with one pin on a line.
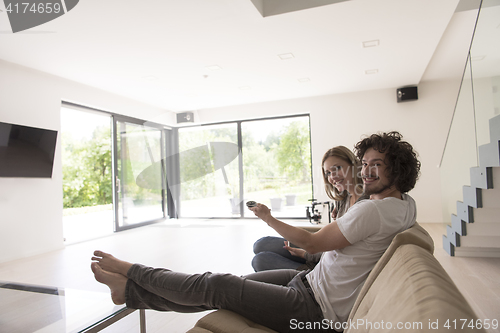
pixel 270 254
pixel 272 298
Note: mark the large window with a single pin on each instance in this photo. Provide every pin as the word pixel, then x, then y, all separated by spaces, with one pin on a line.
pixel 135 172
pixel 209 173
pixel 87 169
pixel 224 165
pixel 277 164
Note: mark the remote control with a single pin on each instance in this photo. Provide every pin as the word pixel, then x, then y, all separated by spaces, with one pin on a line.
pixel 251 204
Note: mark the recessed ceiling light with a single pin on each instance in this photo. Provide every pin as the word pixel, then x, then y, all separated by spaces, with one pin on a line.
pixel 371 43
pixel 213 68
pixel 245 88
pixel 371 71
pixel 304 79
pixel 478 58
pixel 286 56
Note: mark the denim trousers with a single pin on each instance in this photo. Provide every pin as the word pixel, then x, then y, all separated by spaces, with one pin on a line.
pixel 278 299
pixel 270 254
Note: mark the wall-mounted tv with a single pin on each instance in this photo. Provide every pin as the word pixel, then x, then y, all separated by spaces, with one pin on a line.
pixel 26 151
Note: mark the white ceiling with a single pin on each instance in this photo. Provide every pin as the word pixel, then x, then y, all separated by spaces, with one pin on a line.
pixel 158 51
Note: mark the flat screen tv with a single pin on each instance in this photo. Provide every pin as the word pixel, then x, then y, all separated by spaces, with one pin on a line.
pixel 26 151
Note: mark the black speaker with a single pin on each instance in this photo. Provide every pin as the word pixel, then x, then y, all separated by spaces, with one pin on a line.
pixel 185 117
pixel 407 94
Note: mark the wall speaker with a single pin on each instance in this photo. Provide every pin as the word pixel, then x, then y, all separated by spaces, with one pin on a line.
pixel 185 117
pixel 407 94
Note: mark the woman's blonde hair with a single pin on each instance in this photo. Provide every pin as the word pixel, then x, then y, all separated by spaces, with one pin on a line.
pixel 345 154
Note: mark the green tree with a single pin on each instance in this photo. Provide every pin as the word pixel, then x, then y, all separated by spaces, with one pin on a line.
pixel 87 170
pixel 293 154
pixel 197 173
pixel 272 140
pixel 258 166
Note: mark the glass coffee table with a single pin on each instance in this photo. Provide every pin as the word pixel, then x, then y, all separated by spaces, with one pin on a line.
pixel 41 309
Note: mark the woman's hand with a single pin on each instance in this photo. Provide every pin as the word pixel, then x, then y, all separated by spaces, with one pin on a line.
pixel 334 213
pixel 261 211
pixel 294 251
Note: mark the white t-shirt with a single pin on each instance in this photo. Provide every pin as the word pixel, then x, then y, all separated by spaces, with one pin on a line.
pixel 370 226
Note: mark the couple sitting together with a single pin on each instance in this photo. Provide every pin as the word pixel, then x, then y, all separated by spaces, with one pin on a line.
pixel 364 226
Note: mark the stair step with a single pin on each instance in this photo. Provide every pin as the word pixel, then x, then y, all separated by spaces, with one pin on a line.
pixel 486 215
pixel 491 197
pixel 452 236
pixel 482 252
pixel 480 241
pixel 481 177
pixel 483 229
pixel 494 129
pixel 472 196
pixel 458 225
pixel 448 247
pixel 465 212
pixel 495 174
pixel 489 154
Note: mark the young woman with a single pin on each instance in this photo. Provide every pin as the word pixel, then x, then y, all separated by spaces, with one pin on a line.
pixel 343 184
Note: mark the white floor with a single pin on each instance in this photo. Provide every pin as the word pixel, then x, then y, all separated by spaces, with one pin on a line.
pixel 196 245
pixel 191 246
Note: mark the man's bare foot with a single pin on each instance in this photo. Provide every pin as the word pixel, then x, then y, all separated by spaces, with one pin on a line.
pixel 111 264
pixel 116 282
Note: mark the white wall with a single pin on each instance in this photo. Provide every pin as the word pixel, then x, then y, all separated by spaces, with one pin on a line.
pixel 31 209
pixel 343 119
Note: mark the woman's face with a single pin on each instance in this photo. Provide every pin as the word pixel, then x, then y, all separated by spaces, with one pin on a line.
pixel 339 173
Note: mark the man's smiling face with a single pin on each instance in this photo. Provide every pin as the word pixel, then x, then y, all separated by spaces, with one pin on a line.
pixel 375 180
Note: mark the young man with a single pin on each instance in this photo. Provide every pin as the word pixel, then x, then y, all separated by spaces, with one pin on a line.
pixel 287 300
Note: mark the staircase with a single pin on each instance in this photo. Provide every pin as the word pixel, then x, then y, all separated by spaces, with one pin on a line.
pixel 475 229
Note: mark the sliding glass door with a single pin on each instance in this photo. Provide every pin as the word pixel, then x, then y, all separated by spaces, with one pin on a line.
pixel 139 173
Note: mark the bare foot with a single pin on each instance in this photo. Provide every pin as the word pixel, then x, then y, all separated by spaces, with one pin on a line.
pixel 111 264
pixel 116 282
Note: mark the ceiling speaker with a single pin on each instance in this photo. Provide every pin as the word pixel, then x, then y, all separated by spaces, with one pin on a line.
pixel 185 117
pixel 407 94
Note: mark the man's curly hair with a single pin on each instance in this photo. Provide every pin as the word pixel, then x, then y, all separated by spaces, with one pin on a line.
pixel 403 166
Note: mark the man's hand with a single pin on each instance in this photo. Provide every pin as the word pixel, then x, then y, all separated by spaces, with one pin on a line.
pixel 294 251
